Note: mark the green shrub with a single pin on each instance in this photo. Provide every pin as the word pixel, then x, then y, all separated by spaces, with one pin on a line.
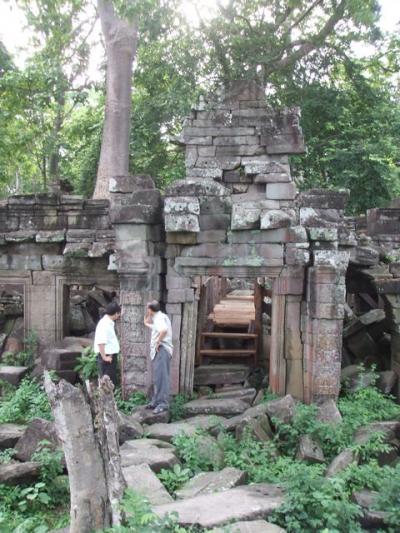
pixel 197 453
pixel 6 455
pixel 389 497
pixel 134 400
pixel 176 408
pixel 141 519
pixel 24 403
pixel 87 364
pixel 175 478
pixel 28 354
pixel 315 503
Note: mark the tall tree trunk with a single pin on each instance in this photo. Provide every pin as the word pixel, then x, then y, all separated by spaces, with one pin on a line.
pixel 120 40
pixel 87 426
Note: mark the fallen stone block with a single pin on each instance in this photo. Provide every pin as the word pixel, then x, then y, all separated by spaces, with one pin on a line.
pixel 230 424
pixel 129 428
pixel 167 432
pixel 275 219
pixel 155 453
pixel 12 374
pixel 259 428
pixel 254 526
pixel 143 480
pixel 212 510
pixel 245 394
pixel 146 416
pixel 10 434
pixel 386 381
pixel 328 412
pixel 282 408
pixel 18 473
pixel 354 378
pixel 341 462
pixel 309 450
pixel 371 519
pixel 390 430
pixel 223 407
pixel 37 431
pixel 210 482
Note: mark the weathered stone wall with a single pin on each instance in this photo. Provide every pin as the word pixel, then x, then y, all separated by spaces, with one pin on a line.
pixel 48 242
pixel 237 214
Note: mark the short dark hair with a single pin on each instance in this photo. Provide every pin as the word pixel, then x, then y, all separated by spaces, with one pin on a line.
pixel 112 308
pixel 154 306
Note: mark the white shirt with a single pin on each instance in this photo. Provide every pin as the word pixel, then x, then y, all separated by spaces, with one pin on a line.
pixel 105 334
pixel 160 322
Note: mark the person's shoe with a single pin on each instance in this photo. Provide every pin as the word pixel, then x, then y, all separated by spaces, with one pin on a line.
pixel 150 406
pixel 160 409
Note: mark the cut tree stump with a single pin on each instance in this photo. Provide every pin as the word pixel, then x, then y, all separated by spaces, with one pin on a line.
pixel 87 426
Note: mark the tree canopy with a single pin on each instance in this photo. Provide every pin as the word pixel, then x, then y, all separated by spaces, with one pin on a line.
pixel 329 57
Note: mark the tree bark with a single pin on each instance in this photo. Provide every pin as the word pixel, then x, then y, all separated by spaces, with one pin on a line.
pixel 87 426
pixel 120 41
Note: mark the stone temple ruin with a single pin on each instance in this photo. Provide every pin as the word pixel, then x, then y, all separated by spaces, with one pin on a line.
pixel 251 272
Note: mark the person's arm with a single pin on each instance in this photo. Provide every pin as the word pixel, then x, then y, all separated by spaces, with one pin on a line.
pixel 104 356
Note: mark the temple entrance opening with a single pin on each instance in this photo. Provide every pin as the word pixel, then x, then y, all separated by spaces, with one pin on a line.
pixel 233 333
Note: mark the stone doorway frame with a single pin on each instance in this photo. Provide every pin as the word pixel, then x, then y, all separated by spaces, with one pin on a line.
pixel 286 291
pixel 24 281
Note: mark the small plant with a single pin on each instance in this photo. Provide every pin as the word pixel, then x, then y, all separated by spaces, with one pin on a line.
pixel 389 499
pixel 28 354
pixel 176 408
pixel 175 478
pixel 49 460
pixel 36 494
pixel 141 519
pixel 7 455
pixel 134 400
pixel 87 364
pixel 21 404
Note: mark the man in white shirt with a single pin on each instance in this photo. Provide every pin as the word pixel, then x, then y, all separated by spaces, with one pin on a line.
pixel 160 353
pixel 106 343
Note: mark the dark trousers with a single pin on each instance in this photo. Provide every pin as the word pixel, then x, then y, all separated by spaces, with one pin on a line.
pixel 160 365
pixel 108 369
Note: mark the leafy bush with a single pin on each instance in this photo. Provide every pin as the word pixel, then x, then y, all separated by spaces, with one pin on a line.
pixel 315 503
pixel 175 478
pixel 27 356
pixel 6 455
pixel 141 519
pixel 87 364
pixel 389 497
pixel 176 408
pixel 24 403
pixel 134 400
pixel 198 452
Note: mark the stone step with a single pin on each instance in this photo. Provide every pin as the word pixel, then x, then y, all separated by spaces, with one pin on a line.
pixel 210 482
pixel 152 452
pixel 254 526
pixel 167 432
pixel 223 374
pixel 10 434
pixel 143 480
pixel 222 407
pixel 220 508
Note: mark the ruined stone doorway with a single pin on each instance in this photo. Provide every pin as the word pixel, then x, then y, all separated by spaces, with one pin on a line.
pixel 233 332
pixel 83 306
pixel 12 320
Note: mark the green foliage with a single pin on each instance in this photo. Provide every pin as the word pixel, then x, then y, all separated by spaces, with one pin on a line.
pixel 175 478
pixel 27 356
pixel 197 454
pixel 141 519
pixel 7 455
pixel 87 364
pixel 176 408
pixel 389 498
pixel 22 404
pixel 134 400
pixel 315 503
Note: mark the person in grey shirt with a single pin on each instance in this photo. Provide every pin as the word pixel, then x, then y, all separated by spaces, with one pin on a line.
pixel 161 349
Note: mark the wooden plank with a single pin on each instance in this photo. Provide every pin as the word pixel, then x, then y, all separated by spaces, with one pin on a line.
pixel 223 374
pixel 188 346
